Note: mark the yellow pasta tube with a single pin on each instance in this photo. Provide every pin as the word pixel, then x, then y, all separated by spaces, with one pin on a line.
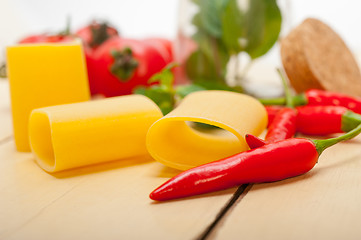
pixel 42 75
pixel 73 135
pixel 174 142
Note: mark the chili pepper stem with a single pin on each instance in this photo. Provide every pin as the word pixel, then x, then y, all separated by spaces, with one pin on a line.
pixel 321 145
pixel 297 100
pixel 273 101
pixel 288 95
pixel 350 120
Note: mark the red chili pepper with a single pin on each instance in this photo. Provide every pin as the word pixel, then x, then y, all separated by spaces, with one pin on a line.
pixel 323 120
pixel 272 162
pixel 282 127
pixel 272 110
pixel 317 120
pixel 254 142
pixel 320 97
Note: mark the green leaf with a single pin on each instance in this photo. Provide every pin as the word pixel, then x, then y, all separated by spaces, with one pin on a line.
pixel 160 96
pixel 165 76
pixel 139 90
pixel 208 17
pixel 233 27
pixel 198 66
pixel 209 61
pixel 201 85
pixel 184 90
pixel 3 71
pixel 263 25
pixel 254 29
pixel 163 93
pixel 215 86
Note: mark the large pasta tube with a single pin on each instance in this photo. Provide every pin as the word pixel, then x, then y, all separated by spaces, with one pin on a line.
pixel 73 135
pixel 174 142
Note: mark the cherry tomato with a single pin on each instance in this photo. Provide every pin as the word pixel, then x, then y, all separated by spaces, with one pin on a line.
pixel 124 64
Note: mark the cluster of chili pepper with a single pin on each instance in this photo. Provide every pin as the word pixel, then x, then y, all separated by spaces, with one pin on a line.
pixel 279 156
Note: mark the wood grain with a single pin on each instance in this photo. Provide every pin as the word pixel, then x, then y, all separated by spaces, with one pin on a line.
pixel 322 204
pixel 5 111
pixel 108 201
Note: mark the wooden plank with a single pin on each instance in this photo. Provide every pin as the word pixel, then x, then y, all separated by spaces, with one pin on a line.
pixel 32 199
pixel 322 204
pixel 5 111
pixel 108 201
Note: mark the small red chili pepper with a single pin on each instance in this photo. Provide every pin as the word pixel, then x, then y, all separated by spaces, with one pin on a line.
pixel 283 125
pixel 317 120
pixel 272 110
pixel 320 97
pixel 272 162
pixel 254 142
pixel 323 120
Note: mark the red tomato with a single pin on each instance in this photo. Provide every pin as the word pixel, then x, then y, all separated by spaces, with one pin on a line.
pixel 96 33
pixel 164 46
pixel 45 38
pixel 140 63
pixel 93 35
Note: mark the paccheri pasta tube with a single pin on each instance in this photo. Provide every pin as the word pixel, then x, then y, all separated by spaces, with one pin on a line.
pixel 174 142
pixel 73 135
pixel 43 75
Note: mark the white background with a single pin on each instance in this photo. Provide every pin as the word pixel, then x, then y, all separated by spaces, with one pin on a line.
pixel 144 18
pixel 138 18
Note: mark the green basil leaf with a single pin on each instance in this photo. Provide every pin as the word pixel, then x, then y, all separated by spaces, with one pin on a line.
pixel 160 95
pixel 209 61
pixel 184 90
pixel 253 29
pixel 263 26
pixel 208 85
pixel 208 17
pixel 165 76
pixel 233 27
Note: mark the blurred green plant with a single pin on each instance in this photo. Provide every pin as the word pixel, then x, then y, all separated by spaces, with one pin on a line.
pixel 166 95
pixel 3 71
pixel 225 28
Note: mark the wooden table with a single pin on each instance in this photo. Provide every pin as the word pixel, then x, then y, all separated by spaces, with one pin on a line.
pixel 110 201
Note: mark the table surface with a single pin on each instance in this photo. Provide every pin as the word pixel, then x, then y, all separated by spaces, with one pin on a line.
pixel 110 201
